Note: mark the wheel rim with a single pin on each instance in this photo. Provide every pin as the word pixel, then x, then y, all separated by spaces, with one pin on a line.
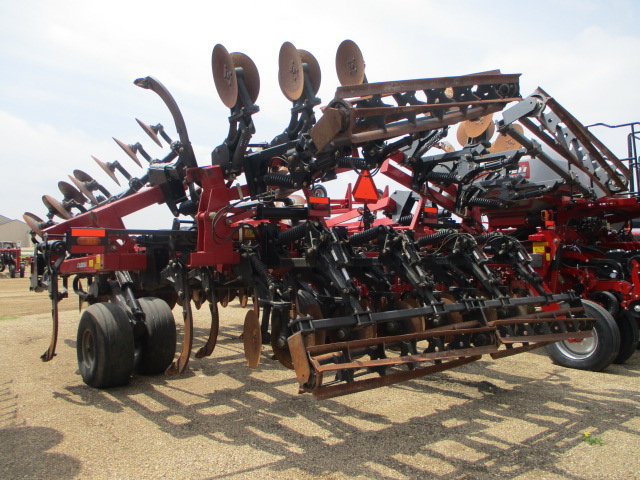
pixel 88 351
pixel 581 349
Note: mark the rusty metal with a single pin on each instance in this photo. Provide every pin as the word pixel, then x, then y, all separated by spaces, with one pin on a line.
pixel 313 71
pixel 129 151
pixel 34 222
pixel 290 71
pixel 350 64
pixel 55 207
pixel 390 88
pixel 214 329
pixel 71 193
pixel 252 339
pixel 250 73
pixel 153 135
pixel 51 350
pixel 224 76
pixel 85 191
pixel 505 142
pixel 475 128
pixel 180 364
pixel 106 169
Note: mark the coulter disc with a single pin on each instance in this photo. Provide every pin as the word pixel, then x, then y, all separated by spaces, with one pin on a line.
pixel 252 338
pixel 290 72
pixel 224 76
pixel 350 63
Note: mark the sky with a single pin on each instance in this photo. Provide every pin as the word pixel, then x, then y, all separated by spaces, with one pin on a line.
pixel 67 70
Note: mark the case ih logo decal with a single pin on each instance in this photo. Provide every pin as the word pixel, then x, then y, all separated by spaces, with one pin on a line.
pixel 523 169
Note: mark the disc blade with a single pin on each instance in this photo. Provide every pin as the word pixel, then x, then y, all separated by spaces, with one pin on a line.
pixel 297 199
pixel 106 169
pixel 313 69
pixel 87 193
pixel 127 149
pixel 461 134
pixel 477 127
pixel 413 324
pixel 250 73
pixel 290 73
pixel 34 222
pixel 224 76
pixel 54 206
pixel 70 192
pixel 506 142
pixel 350 63
pixel 252 339
pixel 149 131
pixel 82 176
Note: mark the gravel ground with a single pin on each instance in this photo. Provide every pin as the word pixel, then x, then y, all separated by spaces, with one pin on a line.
pixel 516 418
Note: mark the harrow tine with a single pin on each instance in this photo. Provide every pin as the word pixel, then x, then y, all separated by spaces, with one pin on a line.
pixel 208 347
pixel 179 365
pixel 55 298
pixel 129 151
pixel 151 131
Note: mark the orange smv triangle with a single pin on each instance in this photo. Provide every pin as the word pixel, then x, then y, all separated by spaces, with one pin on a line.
pixel 365 189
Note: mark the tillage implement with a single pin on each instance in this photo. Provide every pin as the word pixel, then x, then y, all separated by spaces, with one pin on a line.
pixel 353 292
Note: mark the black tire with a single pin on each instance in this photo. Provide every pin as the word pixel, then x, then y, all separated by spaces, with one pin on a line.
pixel 105 346
pixel 22 270
pixel 319 191
pixel 595 353
pixel 156 349
pixel 12 270
pixel 628 327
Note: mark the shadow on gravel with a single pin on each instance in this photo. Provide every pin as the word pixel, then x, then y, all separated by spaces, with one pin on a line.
pixel 23 454
pixel 525 425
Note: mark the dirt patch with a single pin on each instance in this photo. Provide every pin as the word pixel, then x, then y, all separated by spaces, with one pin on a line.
pixel 17 300
pixel 516 418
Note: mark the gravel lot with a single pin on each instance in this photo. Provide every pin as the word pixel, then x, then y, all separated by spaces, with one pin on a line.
pixel 516 418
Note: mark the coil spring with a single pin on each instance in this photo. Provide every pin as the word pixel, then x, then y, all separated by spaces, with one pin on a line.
pixel 353 162
pixel 406 220
pixel 434 237
pixel 261 268
pixel 485 237
pixel 363 237
pixel 275 180
pixel 441 177
pixel 292 234
pixel 484 202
